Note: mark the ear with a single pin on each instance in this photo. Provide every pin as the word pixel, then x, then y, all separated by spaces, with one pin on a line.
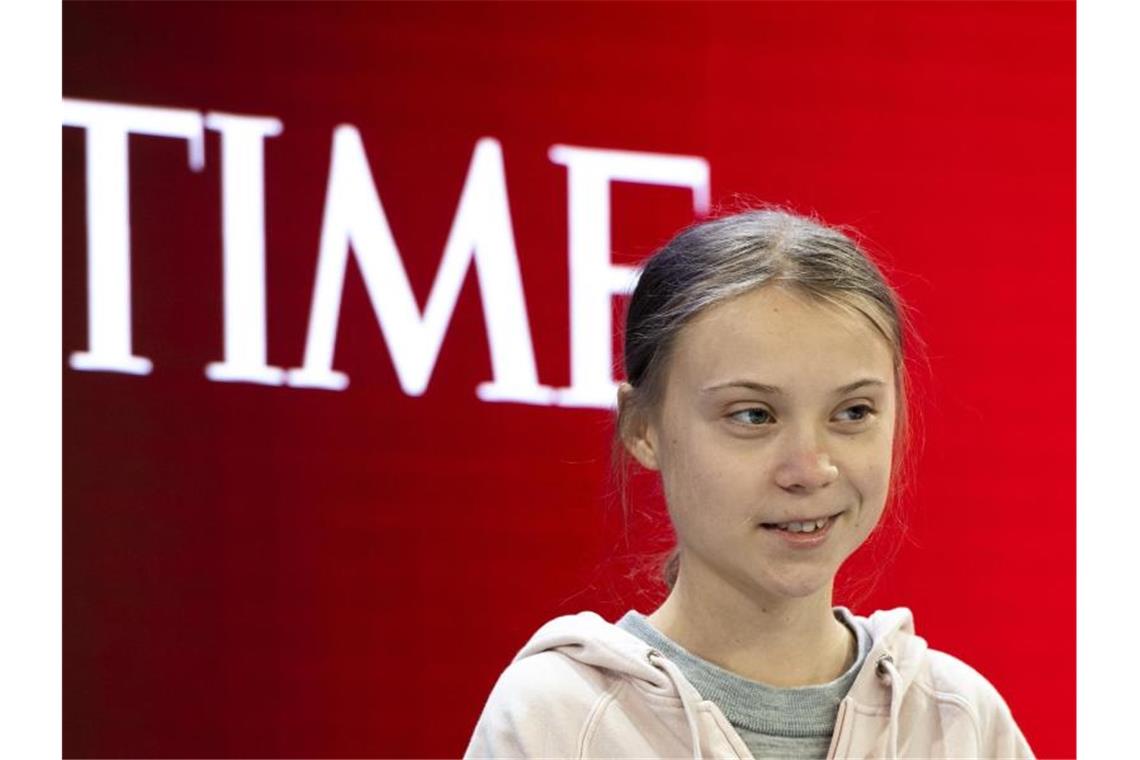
pixel 637 432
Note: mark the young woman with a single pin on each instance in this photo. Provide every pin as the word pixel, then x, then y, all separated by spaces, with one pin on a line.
pixel 764 356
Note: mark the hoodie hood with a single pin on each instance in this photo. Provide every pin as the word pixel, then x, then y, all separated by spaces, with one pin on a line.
pixel 591 640
pixel 890 668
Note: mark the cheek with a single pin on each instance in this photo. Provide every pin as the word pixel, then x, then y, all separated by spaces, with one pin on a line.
pixel 687 477
pixel 872 478
pixel 699 481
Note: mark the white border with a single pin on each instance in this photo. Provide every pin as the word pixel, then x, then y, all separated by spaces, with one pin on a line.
pixel 1108 281
pixel 30 377
pixel 1108 380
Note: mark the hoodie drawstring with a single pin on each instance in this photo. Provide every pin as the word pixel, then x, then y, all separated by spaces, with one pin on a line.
pixel 659 660
pixel 886 670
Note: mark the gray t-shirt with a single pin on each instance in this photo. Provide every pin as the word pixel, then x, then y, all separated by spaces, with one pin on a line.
pixel 774 722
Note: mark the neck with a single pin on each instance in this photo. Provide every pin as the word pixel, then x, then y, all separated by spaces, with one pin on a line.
pixel 776 640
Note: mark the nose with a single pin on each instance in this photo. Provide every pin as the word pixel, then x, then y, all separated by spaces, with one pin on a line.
pixel 805 470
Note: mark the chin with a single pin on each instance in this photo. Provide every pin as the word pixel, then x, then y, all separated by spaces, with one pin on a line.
pixel 794 585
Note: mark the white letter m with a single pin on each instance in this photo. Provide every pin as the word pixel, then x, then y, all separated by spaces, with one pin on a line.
pixel 481 230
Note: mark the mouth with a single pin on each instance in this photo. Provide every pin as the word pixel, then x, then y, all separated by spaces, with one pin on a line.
pixel 804 531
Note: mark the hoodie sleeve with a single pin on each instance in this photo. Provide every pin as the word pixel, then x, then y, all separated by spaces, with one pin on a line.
pixel 998 734
pixel 539 707
pixel 1001 736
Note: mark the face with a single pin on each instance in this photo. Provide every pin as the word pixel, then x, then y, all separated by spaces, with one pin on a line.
pixel 773 441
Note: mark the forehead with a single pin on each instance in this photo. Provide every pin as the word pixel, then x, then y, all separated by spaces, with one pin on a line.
pixel 775 336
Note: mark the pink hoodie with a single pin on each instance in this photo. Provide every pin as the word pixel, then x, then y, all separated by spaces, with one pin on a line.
pixel 582 687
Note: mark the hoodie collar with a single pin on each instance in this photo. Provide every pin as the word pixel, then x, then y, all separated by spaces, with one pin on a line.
pixel 890 668
pixel 591 640
pixel 892 637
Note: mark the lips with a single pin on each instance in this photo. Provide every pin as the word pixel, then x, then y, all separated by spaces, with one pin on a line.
pixel 803 532
pixel 801 524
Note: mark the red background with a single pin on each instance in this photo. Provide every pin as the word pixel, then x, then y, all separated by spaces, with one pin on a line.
pixel 275 571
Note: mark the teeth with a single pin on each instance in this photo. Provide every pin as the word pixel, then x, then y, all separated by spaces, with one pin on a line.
pixel 803 527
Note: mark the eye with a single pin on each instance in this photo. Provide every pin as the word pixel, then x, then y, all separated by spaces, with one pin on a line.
pixel 754 417
pixel 858 412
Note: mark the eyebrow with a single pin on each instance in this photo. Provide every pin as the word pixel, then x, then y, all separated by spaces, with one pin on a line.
pixel 777 391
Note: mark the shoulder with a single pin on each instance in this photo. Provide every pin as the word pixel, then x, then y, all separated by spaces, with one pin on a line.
pixel 959 688
pixel 948 678
pixel 541 705
pixel 551 680
pixel 950 704
pixel 937 674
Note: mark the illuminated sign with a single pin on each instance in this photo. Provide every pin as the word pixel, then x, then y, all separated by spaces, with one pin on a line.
pixel 354 222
